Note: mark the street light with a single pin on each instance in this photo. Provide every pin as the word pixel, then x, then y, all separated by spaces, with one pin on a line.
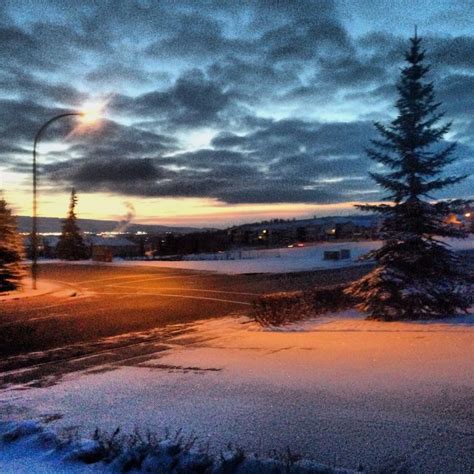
pixel 90 114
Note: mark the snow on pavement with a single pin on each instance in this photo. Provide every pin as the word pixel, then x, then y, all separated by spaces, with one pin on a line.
pixel 26 291
pixel 338 389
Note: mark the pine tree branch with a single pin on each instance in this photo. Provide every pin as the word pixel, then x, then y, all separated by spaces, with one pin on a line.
pixel 441 183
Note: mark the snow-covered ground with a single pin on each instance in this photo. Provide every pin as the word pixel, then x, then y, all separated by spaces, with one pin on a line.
pixel 43 288
pixel 338 389
pixel 283 260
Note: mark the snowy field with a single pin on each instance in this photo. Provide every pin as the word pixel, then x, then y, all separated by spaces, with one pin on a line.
pixel 338 389
pixel 283 260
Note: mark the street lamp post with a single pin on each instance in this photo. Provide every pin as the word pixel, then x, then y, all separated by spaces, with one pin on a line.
pixel 34 230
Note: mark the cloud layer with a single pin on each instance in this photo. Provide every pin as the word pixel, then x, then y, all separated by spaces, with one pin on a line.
pixel 284 91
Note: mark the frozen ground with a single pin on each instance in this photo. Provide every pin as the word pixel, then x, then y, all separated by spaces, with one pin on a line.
pixel 340 389
pixel 283 260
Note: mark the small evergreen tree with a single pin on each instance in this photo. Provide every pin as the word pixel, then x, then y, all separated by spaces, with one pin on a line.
pixel 71 245
pixel 416 275
pixel 11 251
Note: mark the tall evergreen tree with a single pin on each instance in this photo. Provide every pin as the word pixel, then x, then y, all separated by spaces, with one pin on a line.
pixel 416 275
pixel 11 251
pixel 71 245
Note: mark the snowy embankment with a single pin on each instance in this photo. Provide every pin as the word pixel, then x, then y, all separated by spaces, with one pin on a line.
pixel 29 446
pixel 44 287
pixel 26 291
pixel 282 260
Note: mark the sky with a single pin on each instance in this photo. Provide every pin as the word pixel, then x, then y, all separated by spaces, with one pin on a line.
pixel 218 113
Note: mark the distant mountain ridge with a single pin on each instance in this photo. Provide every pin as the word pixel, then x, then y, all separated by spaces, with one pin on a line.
pixel 53 224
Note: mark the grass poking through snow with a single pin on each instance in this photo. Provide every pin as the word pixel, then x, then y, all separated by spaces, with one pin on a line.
pixel 147 453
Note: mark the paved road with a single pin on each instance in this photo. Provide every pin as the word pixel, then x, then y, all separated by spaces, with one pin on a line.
pixel 111 301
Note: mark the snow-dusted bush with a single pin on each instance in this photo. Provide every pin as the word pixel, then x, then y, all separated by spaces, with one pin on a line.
pixel 150 454
pixel 277 309
pixel 19 430
pixel 88 451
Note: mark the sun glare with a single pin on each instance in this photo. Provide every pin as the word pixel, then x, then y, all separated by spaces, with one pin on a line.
pixel 91 112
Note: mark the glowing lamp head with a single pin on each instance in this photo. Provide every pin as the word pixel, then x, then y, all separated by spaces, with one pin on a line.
pixel 91 112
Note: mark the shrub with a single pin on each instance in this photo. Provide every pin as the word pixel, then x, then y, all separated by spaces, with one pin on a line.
pixel 277 309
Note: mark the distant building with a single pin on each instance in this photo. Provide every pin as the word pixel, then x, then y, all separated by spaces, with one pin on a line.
pixel 46 245
pixel 105 248
pixel 356 230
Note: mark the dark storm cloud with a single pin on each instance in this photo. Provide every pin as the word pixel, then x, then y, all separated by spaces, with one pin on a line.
pixel 305 39
pixel 349 71
pixel 117 72
pixel 208 158
pixel 250 78
pixel 457 51
pixel 19 48
pixel 114 139
pixel 46 46
pixel 19 120
pixel 263 167
pixel 18 81
pixel 310 165
pixel 193 100
pixel 196 35
pixel 198 30
pixel 110 142
pixel 456 91
pixel 284 137
pixel 106 173
pixel 205 174
pixel 231 183
pixel 443 52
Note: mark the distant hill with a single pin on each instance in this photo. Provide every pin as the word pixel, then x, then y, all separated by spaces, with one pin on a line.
pixel 53 224
pixel 364 220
